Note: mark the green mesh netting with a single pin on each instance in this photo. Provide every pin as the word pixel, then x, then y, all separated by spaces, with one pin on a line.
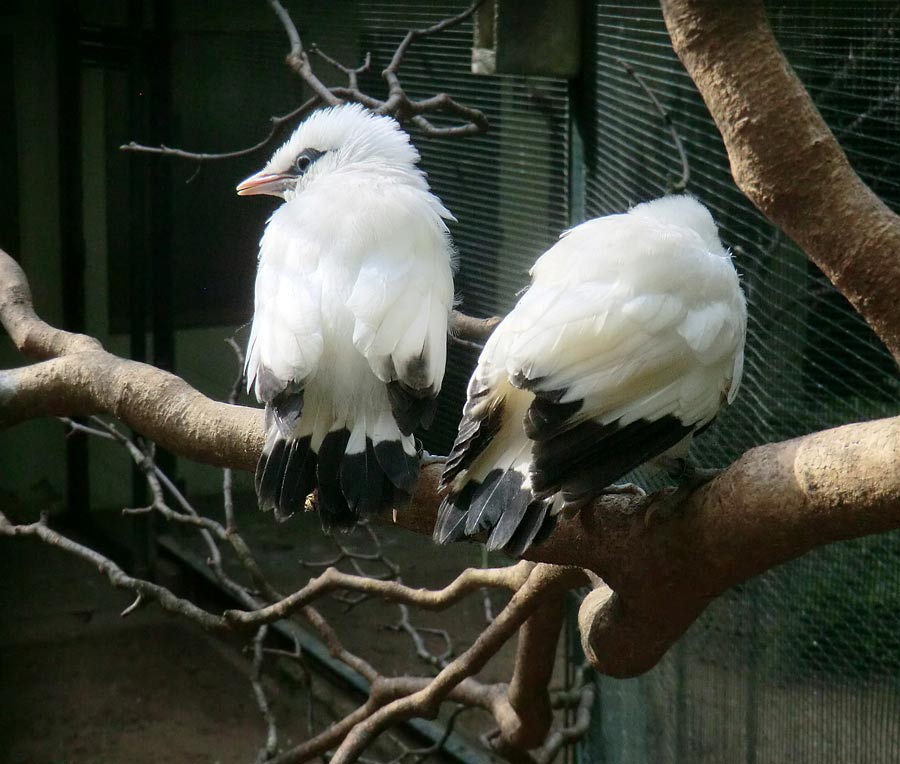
pixel 801 664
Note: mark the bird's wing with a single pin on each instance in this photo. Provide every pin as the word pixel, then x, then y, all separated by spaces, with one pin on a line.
pixel 401 302
pixel 629 359
pixel 286 336
pixel 628 340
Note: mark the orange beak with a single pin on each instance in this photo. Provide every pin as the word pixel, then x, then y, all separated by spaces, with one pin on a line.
pixel 263 183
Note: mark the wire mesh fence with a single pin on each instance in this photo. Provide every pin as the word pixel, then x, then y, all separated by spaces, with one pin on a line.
pixel 800 664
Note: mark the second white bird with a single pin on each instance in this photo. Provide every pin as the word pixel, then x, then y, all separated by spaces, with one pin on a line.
pixel 628 341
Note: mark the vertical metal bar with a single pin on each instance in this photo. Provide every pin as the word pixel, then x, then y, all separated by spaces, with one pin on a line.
pixel 160 228
pixel 71 231
pixel 138 269
pixel 753 637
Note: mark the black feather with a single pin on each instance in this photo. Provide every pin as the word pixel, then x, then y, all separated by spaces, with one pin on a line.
pixel 517 519
pixel 286 409
pixel 269 471
pixel 476 431
pixel 547 417
pixel 591 456
pixel 333 508
pixel 401 468
pixel 299 476
pixel 363 483
pixel 451 520
pixel 499 490
pixel 533 526
pixel 411 407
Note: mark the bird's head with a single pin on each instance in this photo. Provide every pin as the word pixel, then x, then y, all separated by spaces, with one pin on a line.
pixel 685 211
pixel 346 137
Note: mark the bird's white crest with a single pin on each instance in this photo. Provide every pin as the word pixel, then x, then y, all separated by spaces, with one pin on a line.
pixel 351 138
pixel 353 292
pixel 629 339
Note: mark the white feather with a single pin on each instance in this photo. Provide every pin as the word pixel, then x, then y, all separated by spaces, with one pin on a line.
pixel 638 315
pixel 358 234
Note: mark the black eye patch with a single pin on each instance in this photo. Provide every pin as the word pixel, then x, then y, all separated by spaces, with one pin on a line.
pixel 305 160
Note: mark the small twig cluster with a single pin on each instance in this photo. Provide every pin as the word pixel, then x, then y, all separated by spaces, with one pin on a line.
pixel 391 699
pixel 389 571
pixel 397 104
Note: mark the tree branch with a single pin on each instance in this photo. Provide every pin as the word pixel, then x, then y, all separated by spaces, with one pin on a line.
pixel 775 503
pixel 397 105
pixel 785 158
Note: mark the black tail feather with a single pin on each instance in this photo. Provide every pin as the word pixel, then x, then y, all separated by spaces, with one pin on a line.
pixel 518 515
pixel 269 471
pixel 333 508
pixel 534 525
pixel 401 468
pixel 451 520
pixel 364 485
pixel 299 476
pixel 491 499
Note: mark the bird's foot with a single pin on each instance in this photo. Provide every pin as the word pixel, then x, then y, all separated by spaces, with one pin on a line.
pixel 664 505
pixel 426 459
pixel 625 489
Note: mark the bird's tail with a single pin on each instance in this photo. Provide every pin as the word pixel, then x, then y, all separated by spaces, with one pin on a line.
pixel 500 504
pixel 356 466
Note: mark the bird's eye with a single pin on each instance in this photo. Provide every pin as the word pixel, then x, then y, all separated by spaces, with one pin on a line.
pixel 305 160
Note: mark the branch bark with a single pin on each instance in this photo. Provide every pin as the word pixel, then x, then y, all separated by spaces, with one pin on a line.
pixel 775 503
pixel 786 159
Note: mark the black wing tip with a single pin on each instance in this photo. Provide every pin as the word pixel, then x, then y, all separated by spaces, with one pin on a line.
pixel 527 530
pixel 450 523
pixel 588 458
pixel 547 417
pixel 401 468
pixel 364 484
pixel 412 406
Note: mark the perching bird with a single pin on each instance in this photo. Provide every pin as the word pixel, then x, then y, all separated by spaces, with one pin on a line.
pixel 628 341
pixel 353 293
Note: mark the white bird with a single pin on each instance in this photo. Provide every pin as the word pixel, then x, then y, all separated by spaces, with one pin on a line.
pixel 628 341
pixel 353 293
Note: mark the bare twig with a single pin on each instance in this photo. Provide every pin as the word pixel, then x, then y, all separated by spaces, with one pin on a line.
pixel 682 183
pixel 271 746
pixel 438 660
pixel 398 104
pixel 351 72
pixel 277 124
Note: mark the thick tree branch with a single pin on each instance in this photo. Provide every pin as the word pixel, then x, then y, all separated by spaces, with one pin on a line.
pixel 775 503
pixel 528 695
pixel 785 158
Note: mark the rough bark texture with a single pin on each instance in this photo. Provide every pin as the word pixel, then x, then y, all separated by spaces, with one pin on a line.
pixel 785 158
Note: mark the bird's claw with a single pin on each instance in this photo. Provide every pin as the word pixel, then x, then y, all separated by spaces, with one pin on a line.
pixel 426 459
pixel 625 489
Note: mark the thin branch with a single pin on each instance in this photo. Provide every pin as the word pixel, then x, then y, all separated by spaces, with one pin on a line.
pixel 438 660
pixel 541 581
pixel 332 579
pixel 277 124
pixel 682 183
pixel 351 72
pixel 271 746
pixel 117 577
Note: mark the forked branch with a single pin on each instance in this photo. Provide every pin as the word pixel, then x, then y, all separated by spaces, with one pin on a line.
pixel 397 104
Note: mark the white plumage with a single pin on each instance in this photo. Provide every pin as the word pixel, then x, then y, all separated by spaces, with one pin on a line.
pixel 628 341
pixel 353 292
